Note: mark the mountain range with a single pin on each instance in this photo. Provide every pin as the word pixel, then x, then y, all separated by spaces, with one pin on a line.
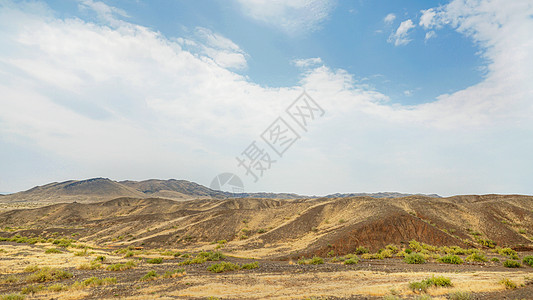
pixel 101 189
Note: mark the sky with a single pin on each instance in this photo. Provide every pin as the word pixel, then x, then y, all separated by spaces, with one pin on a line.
pixel 311 97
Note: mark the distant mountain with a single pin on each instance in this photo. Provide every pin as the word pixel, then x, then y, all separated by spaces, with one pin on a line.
pixel 380 195
pixel 100 189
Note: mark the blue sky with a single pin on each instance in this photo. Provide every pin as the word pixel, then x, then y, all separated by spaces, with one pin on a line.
pixel 420 96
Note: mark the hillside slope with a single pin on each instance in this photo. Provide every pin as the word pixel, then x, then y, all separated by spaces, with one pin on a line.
pixel 289 228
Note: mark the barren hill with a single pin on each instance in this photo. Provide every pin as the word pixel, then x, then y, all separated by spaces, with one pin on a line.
pixel 289 228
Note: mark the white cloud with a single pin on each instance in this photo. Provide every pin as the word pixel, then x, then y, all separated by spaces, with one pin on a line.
pixel 293 17
pixel 222 50
pixel 389 18
pixel 308 62
pixel 428 18
pixel 430 34
pixel 401 36
pixel 104 12
pixel 126 102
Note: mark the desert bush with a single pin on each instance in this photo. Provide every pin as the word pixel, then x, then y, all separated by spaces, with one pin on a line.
pixel 48 274
pixel 451 259
pixel 94 265
pixel 129 254
pixel 31 268
pixel 352 261
pixel 52 250
pixel 12 297
pixel 58 287
pixel 150 276
pixel 10 279
pixel 82 253
pixel 414 258
pixel 528 260
pixel 504 251
pixel 223 267
pixel 63 243
pixel 250 266
pixel 95 281
pixel 99 258
pixel 121 267
pixel 31 289
pixel 460 295
pixel 476 257
pixel 157 260
pixel 422 286
pixel 361 250
pixel 511 264
pixel 174 273
pixel 313 261
pixel 508 283
pixel 212 256
pixel 487 243
pixel 495 259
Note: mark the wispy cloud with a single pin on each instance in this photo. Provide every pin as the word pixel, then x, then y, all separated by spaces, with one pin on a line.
pixel 307 62
pixel 389 18
pixel 292 17
pixel 401 36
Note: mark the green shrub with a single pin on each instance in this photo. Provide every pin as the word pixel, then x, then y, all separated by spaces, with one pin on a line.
pixel 31 268
pixel 528 260
pixel 58 287
pixel 52 250
pixel 48 274
pixel 250 266
pixel 31 289
pixel 508 283
pixel 155 260
pixel 451 259
pixel 10 279
pixel 12 297
pixel 150 276
pixel 504 251
pixel 223 267
pixel 476 257
pixel 99 258
pixel 422 286
pixel 511 264
pixel 121 267
pixel 95 281
pixel 94 265
pixel 487 243
pixel 414 258
pixel 495 259
pixel 129 254
pixel 212 256
pixel 352 261
pixel 361 250
pixel 313 261
pixel 460 295
pixel 173 273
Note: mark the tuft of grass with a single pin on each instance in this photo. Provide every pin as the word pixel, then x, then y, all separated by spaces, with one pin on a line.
pixel 94 265
pixel 476 257
pixel 99 258
pixel 31 289
pixel 528 260
pixel 155 260
pixel 313 261
pixel 32 268
pixel 52 250
pixel 508 283
pixel 152 275
pixel 451 259
pixel 48 274
pixel 174 273
pixel 121 267
pixel 223 267
pixel 9 279
pixel 250 266
pixel 422 286
pixel 414 258
pixel 12 297
pixel 212 256
pixel 511 264
pixel 460 295
pixel 58 287
pixel 495 259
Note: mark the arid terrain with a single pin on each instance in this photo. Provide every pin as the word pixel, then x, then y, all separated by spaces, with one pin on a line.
pixel 132 242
